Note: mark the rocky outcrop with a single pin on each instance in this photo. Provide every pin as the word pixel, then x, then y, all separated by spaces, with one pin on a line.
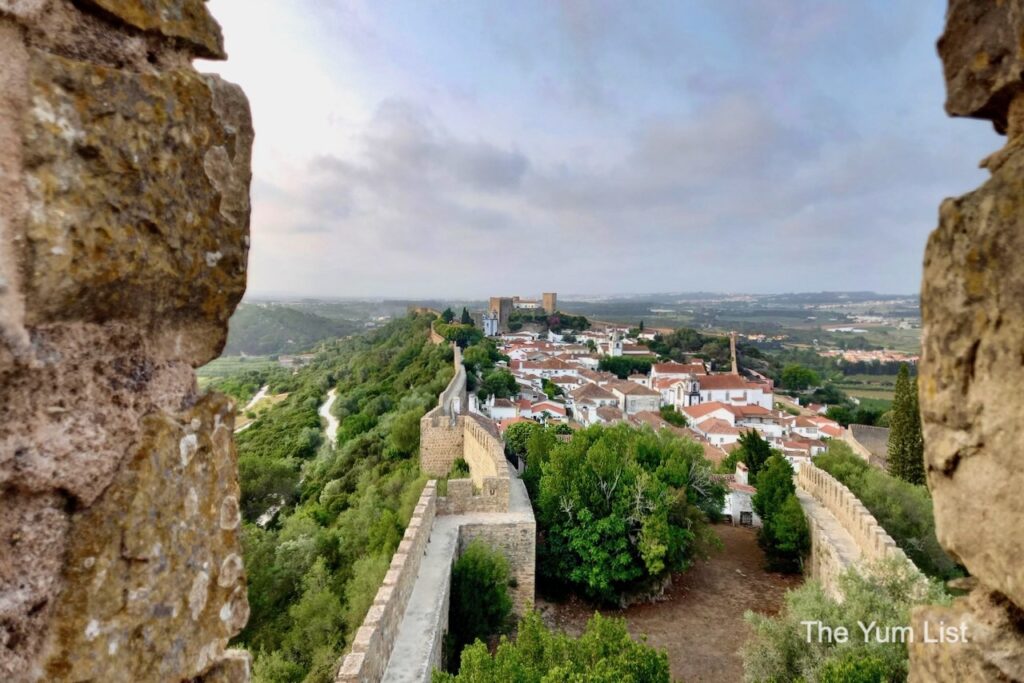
pixel 124 214
pixel 972 365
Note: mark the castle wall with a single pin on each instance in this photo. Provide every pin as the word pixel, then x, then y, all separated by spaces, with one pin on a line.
pixel 828 556
pixel 441 430
pixel 124 228
pixel 374 640
pixel 517 542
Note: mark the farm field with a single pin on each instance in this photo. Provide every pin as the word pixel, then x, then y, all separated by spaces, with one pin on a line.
pixel 230 365
pixel 869 386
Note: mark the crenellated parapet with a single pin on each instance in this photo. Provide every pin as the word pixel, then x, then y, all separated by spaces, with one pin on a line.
pixel 844 533
pixel 375 639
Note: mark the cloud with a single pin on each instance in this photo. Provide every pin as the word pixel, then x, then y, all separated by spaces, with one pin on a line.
pixel 594 146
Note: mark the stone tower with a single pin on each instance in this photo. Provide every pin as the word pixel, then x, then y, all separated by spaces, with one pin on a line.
pixel 550 302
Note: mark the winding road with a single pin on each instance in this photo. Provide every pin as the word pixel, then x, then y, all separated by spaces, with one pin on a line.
pixel 332 422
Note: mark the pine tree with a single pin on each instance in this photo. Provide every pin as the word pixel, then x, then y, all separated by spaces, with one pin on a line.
pixel 466 318
pixel 906 445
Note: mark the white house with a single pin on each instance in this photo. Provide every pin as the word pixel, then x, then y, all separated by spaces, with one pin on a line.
pixel 735 390
pixel 717 432
pixel 490 325
pixel 739 500
pixel 501 408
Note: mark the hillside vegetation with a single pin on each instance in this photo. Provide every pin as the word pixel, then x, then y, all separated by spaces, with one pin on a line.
pixel 263 329
pixel 333 516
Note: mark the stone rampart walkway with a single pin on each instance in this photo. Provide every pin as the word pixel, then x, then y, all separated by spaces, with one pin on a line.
pixel 420 635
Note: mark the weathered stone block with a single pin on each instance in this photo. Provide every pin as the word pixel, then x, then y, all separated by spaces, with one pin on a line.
pixel 33 531
pixel 186 20
pixel 994 650
pixel 69 423
pixel 153 585
pixel 982 58
pixel 138 201
pixel 234 667
pixel 972 369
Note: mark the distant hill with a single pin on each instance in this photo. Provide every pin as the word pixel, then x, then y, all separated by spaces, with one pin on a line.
pixel 265 329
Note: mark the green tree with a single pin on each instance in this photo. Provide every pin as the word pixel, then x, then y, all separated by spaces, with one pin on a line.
pixel 798 377
pixel 673 416
pixel 448 315
pixel 624 366
pixel 774 485
pixel 620 507
pixel 784 534
pixel 906 443
pixel 477 358
pixel 499 383
pixel 466 318
pixel 605 653
pixel 405 432
pixel 480 604
pixel 539 444
pixel 753 451
pixel 842 414
pixel 517 436
pixel 317 617
pixel 551 390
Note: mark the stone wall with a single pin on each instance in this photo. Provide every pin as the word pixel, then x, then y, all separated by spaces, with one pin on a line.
pixel 870 443
pixel 435 338
pixel 441 429
pixel 374 640
pixel 517 542
pixel 972 362
pixel 441 442
pixel 872 541
pixel 124 216
pixel 488 488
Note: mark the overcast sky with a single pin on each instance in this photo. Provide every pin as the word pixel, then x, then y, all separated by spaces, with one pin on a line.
pixel 460 148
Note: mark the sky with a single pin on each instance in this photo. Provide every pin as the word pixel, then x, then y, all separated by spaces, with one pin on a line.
pixel 464 148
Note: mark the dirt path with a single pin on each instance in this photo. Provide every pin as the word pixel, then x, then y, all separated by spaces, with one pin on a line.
pixel 700 624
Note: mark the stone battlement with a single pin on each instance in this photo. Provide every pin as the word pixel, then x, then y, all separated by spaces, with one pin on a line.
pixel 831 550
pixel 374 640
pixel 402 635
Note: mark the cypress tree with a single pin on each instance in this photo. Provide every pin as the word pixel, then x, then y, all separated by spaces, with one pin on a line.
pixel 906 445
pixel 466 318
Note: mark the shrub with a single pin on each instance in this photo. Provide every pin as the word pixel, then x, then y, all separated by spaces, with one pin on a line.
pixel 605 653
pixel 480 604
pixel 780 650
pixel 460 469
